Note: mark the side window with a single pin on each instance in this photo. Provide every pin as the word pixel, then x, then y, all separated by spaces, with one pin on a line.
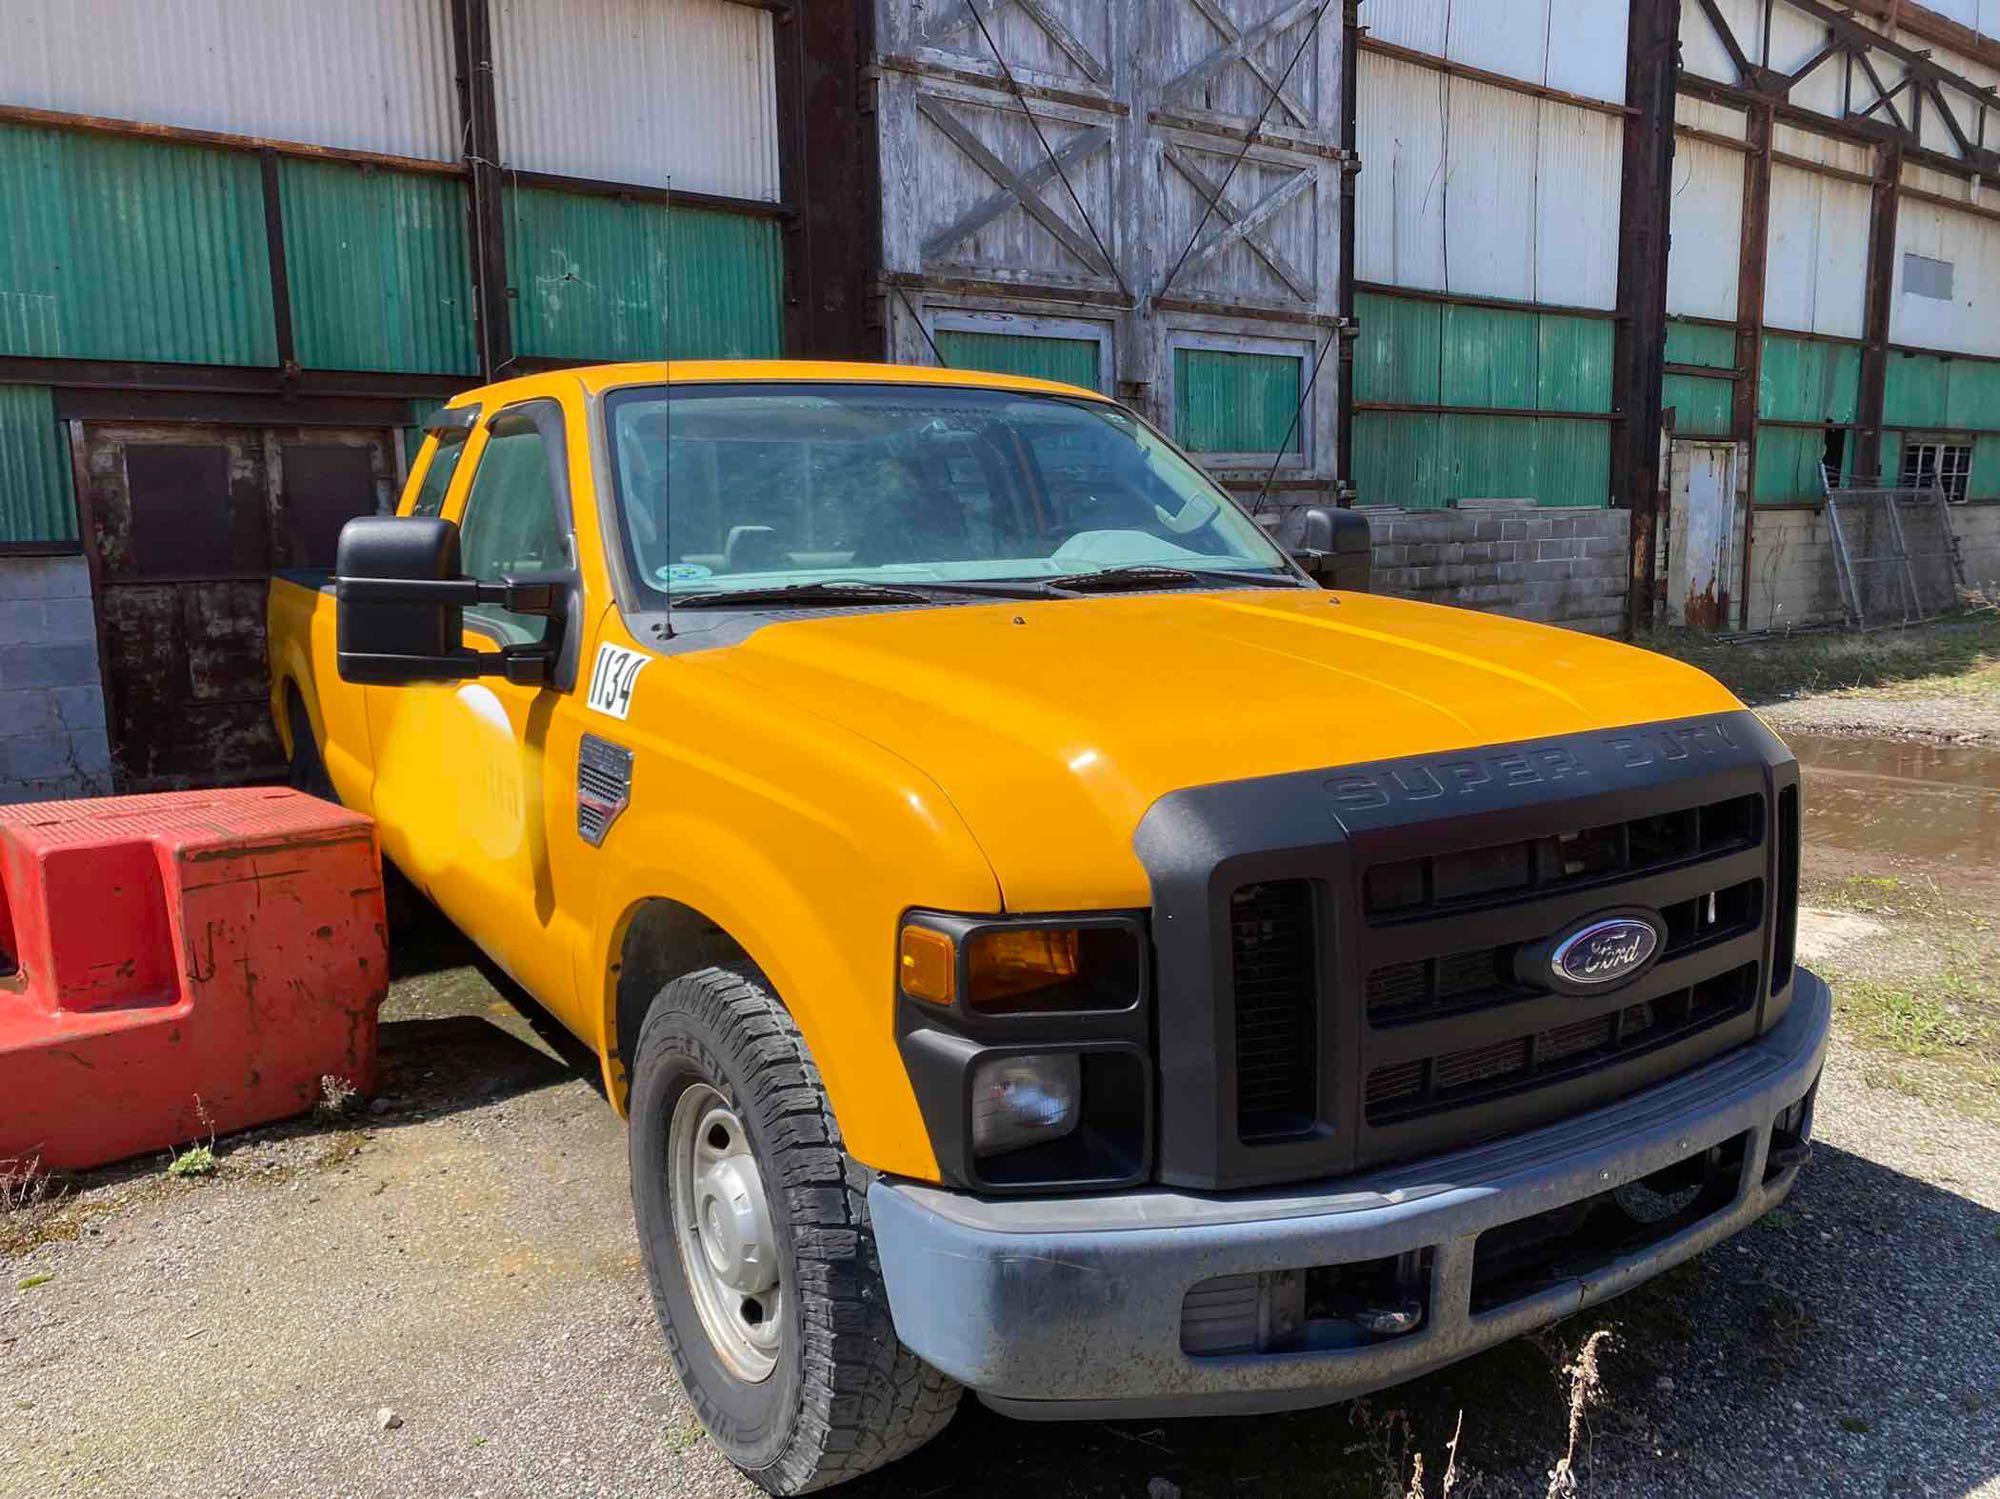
pixel 513 523
pixel 437 476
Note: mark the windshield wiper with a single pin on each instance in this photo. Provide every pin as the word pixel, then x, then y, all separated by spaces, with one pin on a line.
pixel 800 596
pixel 1152 575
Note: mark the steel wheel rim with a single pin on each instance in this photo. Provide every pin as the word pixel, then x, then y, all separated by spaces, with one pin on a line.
pixel 724 1232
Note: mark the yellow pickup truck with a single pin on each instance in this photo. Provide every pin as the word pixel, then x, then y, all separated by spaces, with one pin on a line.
pixel 1045 942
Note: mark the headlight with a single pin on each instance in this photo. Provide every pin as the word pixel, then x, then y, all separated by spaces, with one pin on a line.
pixel 1018 1101
pixel 1020 968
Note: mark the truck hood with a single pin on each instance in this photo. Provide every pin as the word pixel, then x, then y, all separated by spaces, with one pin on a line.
pixel 1053 725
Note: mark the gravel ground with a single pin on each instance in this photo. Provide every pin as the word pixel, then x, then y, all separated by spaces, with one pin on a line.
pixel 1920 720
pixel 464 1259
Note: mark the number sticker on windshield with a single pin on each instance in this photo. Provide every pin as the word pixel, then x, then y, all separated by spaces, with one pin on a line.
pixel 611 683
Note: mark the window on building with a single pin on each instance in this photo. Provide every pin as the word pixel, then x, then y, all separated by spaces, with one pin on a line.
pixel 513 524
pixel 1937 463
pixel 1925 277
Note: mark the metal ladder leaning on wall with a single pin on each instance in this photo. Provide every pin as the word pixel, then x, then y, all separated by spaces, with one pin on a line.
pixel 1873 517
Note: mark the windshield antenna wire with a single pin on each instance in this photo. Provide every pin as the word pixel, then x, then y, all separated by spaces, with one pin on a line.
pixel 1297 412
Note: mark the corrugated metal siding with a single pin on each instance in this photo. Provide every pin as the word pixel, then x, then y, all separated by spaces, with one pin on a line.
pixel 380 278
pixel 1970 321
pixel 1396 459
pixel 1072 360
pixel 1702 408
pixel 1227 402
pixel 1397 353
pixel 1491 195
pixel 1972 395
pixel 372 75
pixel 1923 390
pixel 1808 382
pixel 591 276
pixel 1707 229
pixel 1574 463
pixel 1399 213
pixel 642 91
pixel 1581 49
pixel 121 249
pixel 1788 460
pixel 1490 358
pixel 1424 462
pixel 1575 363
pixel 1697 343
pixel 1984 483
pixel 1702 52
pixel 1489 457
pixel 1817 259
pixel 35 499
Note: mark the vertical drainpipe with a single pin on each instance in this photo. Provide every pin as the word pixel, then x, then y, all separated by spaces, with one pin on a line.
pixel 1350 167
pixel 1652 69
pixel 1750 322
pixel 1879 304
pixel 479 130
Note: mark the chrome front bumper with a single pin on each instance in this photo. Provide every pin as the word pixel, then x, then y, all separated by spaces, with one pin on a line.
pixel 1071 1308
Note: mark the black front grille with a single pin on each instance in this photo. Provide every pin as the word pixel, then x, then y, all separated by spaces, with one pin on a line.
pixel 1452 1079
pixel 1275 985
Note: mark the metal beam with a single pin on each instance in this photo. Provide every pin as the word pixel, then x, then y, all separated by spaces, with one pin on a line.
pixel 1881 283
pixel 1752 258
pixel 479 128
pixel 274 245
pixel 1639 341
pixel 124 374
pixel 1350 80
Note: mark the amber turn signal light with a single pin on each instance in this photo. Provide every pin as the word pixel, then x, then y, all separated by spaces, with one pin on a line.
pixel 927 964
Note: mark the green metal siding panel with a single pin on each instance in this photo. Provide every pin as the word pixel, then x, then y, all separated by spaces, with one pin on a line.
pixel 1984 483
pixel 1396 459
pixel 1972 395
pixel 1788 464
pixel 1074 361
pixel 1913 391
pixel 1574 363
pixel 35 499
pixel 1490 457
pixel 1490 358
pixel 125 249
pixel 1892 455
pixel 1396 352
pixel 1574 460
pixel 1703 408
pixel 1696 343
pixel 380 277
pixel 592 276
pixel 1229 402
pixel 1804 381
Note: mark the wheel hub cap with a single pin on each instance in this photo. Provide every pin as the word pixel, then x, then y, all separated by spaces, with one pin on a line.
pixel 724 1231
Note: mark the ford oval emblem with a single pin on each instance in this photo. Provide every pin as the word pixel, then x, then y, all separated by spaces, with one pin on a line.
pixel 1605 951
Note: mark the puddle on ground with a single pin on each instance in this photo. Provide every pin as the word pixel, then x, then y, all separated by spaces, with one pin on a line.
pixel 1939 803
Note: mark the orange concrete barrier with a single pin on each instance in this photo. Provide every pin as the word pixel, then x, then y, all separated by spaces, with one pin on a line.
pixel 181 965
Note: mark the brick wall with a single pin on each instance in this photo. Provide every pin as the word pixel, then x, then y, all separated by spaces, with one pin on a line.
pixel 52 733
pixel 1558 566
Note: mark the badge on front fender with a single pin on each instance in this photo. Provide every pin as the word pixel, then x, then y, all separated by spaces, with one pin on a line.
pixel 612 680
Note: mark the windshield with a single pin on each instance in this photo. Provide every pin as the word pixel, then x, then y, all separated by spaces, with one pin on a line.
pixel 723 488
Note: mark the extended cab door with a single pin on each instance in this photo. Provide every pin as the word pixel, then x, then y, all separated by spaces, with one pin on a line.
pixel 475 780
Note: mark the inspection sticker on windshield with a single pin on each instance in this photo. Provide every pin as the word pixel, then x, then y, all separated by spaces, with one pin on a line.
pixel 611 683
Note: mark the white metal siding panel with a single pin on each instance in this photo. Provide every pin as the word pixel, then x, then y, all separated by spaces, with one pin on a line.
pixel 1501 36
pixel 369 75
pixel 1815 275
pixel 1716 119
pixel 1702 51
pixel 1491 192
pixel 1416 24
pixel 1707 230
pixel 1795 38
pixel 1576 230
pixel 1587 46
pixel 641 91
pixel 1970 322
pixel 1399 217
pixel 1810 145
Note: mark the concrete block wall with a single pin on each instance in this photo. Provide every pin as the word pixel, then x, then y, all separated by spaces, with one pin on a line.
pixel 1792 578
pixel 1557 566
pixel 53 740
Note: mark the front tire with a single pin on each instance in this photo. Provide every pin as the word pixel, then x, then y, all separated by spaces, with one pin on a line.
pixel 753 1224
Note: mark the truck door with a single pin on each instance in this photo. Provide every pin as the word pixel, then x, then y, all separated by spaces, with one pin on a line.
pixel 473 778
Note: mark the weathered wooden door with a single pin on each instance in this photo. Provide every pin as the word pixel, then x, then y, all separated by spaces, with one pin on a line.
pixel 1704 510
pixel 188 522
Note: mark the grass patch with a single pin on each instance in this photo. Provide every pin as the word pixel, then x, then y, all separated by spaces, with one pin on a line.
pixel 29 1282
pixel 1950 658
pixel 1933 1036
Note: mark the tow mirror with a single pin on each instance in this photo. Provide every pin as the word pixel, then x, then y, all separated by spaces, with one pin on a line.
pixel 1333 546
pixel 400 604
